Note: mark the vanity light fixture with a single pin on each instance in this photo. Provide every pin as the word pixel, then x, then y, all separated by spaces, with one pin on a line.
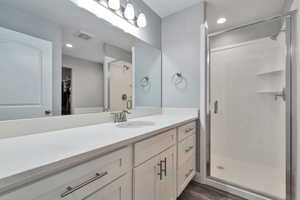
pixel 115 17
pixel 69 45
pixel 141 20
pixel 129 11
pixel 221 20
pixel 114 4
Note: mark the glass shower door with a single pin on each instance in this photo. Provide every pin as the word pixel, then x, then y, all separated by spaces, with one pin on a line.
pixel 248 103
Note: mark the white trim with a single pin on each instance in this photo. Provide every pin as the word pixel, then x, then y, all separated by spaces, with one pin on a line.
pixel 133 76
pixel 235 190
pixel 105 75
pixel 237 45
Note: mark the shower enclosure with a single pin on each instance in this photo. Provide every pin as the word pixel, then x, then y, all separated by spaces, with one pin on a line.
pixel 247 135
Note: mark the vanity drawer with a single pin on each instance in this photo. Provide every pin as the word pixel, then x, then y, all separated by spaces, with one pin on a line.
pixel 79 181
pixel 120 189
pixel 148 148
pixel 186 130
pixel 185 174
pixel 186 149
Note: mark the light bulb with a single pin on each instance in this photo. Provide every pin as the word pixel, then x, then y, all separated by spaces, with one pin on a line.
pixel 69 45
pixel 114 4
pixel 221 20
pixel 129 11
pixel 142 21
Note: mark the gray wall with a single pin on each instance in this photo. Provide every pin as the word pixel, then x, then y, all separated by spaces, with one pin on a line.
pixel 87 82
pixel 181 53
pixel 19 21
pixel 152 32
pixel 117 53
pixel 147 62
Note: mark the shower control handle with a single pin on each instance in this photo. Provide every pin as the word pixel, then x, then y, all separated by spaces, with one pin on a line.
pixel 216 107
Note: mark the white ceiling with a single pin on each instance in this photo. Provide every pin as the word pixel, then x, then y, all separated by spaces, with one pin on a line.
pixel 236 11
pixel 239 12
pixel 73 19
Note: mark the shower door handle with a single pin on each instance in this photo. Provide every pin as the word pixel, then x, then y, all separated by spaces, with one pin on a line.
pixel 48 112
pixel 216 107
pixel 281 94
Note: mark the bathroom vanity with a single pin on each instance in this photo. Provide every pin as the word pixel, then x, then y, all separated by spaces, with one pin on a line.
pixel 64 82
pixel 137 160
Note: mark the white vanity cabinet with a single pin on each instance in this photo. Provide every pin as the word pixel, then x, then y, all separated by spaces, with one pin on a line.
pixel 186 155
pixel 85 181
pixel 155 179
pixel 155 167
pixel 120 189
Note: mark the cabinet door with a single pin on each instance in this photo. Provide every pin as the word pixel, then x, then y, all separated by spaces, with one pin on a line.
pixel 167 185
pixel 146 180
pixel 117 190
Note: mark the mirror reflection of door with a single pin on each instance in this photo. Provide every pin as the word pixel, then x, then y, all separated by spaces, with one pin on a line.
pixel 120 85
pixel 25 76
pixel 66 89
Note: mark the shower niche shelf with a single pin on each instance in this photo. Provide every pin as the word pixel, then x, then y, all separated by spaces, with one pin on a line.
pixel 271 72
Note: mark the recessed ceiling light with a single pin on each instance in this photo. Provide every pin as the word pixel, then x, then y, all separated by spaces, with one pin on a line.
pixel 69 45
pixel 221 20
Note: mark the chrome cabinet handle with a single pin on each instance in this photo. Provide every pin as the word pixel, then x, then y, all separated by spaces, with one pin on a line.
pixel 189 149
pixel 165 165
pixel 70 189
pixel 160 170
pixel 189 130
pixel 48 112
pixel 216 107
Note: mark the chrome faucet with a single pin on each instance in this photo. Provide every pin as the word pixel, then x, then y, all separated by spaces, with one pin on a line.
pixel 120 116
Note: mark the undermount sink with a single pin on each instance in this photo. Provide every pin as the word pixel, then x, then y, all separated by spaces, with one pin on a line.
pixel 135 124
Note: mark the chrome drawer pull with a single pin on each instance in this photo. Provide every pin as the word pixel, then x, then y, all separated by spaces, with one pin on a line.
pixel 160 173
pixel 73 189
pixel 189 149
pixel 189 130
pixel 165 163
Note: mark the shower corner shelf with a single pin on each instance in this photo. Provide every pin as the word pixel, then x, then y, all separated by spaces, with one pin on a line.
pixel 273 72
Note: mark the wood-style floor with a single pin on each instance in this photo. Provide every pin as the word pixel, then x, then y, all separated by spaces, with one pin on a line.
pixel 196 191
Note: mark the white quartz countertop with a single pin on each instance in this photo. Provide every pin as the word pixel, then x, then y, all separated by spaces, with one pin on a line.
pixel 28 157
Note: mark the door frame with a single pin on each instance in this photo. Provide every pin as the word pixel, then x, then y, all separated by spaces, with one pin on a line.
pixel 205 114
pixel 106 71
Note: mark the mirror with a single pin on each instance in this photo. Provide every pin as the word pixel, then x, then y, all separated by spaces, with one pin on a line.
pixel 59 59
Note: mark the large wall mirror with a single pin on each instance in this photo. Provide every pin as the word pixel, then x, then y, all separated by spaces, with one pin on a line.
pixel 59 59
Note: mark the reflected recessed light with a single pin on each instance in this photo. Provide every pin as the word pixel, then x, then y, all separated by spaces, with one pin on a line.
pixel 221 20
pixel 69 45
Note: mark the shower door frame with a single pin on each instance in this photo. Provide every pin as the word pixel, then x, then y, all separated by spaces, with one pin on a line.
pixel 205 116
